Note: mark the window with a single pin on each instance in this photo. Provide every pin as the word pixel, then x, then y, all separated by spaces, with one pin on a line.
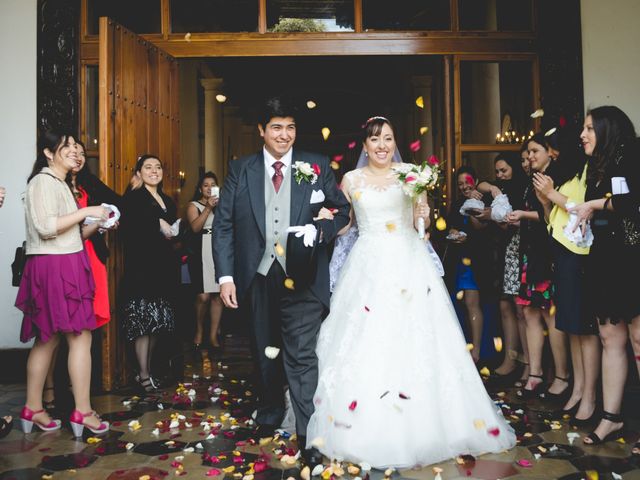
pixel 310 16
pixel 406 15
pixel 139 16
pixel 197 16
pixel 495 15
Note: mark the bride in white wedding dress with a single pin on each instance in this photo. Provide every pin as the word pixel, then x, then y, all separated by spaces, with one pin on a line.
pixel 397 386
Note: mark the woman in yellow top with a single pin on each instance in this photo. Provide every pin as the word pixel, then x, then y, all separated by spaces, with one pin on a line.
pixel 572 317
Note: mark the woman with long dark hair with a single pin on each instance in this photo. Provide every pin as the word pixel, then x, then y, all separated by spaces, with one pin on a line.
pixel 152 267
pixel 611 209
pixel 200 213
pixel 56 290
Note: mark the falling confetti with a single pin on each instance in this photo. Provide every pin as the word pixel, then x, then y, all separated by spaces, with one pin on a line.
pixel 415 146
pixel 441 224
pixel 466 261
pixel 538 113
pixel 334 165
pixel 353 405
pixel 187 36
pixel 351 145
pixel 497 343
pixel 391 227
pixel 271 352
pixel 423 130
pixel 338 158
pixel 523 462
pixel 325 133
pixel 460 295
pixel 311 104
pixel 420 102
pixel 288 283
pixel 485 372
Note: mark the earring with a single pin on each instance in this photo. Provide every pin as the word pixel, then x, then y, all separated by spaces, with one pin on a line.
pixel 366 154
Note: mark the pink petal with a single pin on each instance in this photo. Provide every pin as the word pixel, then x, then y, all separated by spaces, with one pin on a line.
pixel 352 145
pixel 163 457
pixel 562 121
pixel 338 158
pixel 433 160
pixel 404 396
pixel 213 472
pixel 353 405
pixel 415 146
pixel 524 463
pixel 494 431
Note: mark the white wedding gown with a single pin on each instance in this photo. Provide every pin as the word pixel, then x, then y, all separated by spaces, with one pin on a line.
pixel 397 385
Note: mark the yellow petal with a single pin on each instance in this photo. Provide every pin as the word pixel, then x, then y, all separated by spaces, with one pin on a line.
pixel 353 470
pixel 485 372
pixel 538 113
pixel 265 441
pixel 466 261
pixel 187 36
pixel 334 165
pixel 608 195
pixel 479 424
pixel 497 343
pixel 228 469
pixel 552 310
pixel 441 224
pixel 325 133
pixel 143 477
pixel 356 195
pixel 420 102
pixel 423 130
pixel 592 475
pixel 311 104
pixel 391 227
pixel 280 250
pixel 469 346
pixel 460 295
pixel 305 473
pixel 621 440
pixel 288 283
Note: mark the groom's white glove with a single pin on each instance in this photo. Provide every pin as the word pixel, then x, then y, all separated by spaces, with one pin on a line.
pixel 309 231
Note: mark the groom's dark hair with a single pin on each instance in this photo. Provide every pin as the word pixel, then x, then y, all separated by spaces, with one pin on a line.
pixel 277 107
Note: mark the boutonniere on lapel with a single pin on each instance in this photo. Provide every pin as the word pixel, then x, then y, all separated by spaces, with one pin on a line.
pixel 306 172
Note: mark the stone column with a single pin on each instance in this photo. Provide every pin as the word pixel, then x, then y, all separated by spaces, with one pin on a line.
pixel 424 116
pixel 213 141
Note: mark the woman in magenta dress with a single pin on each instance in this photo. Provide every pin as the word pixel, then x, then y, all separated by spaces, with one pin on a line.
pixel 56 290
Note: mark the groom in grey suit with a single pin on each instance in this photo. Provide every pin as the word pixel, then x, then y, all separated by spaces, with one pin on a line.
pixel 260 199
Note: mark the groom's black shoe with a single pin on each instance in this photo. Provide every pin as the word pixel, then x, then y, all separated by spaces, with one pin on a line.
pixel 311 456
pixel 265 430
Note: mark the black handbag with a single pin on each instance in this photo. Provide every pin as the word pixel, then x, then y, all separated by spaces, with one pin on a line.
pixel 17 267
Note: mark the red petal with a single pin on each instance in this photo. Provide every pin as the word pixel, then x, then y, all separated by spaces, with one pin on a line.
pixel 366 309
pixel 163 457
pixel 470 180
pixel 433 160
pixel 524 463
pixel 353 405
pixel 415 146
pixel 562 121
pixel 494 431
pixel 338 158
pixel 352 145
pixel 316 168
pixel 404 396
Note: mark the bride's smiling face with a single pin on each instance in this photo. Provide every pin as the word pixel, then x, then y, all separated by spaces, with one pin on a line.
pixel 380 148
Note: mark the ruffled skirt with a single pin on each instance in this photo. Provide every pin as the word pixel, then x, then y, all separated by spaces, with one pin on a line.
pixel 56 296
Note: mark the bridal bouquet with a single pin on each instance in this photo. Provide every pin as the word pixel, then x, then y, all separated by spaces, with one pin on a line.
pixel 418 179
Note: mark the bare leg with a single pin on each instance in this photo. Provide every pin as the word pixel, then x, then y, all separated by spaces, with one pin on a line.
pixel 153 339
pixel 522 331
pixel 475 319
pixel 614 372
pixel 634 333
pixel 558 342
pixel 590 348
pixel 202 300
pixel 80 373
pixel 37 368
pixel 49 394
pixel 535 341
pixel 578 371
pixel 215 312
pixel 510 332
pixel 142 354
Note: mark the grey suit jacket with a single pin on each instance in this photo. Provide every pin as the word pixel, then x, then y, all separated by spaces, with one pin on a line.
pixel 239 223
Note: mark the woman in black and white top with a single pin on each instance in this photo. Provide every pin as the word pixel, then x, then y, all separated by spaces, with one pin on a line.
pixel 201 269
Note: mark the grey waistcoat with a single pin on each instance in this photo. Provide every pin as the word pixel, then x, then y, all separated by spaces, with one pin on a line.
pixel 277 218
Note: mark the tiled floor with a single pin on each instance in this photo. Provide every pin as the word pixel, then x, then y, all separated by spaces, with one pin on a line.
pixel 154 448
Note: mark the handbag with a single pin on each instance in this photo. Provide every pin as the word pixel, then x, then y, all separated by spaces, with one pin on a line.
pixel 17 267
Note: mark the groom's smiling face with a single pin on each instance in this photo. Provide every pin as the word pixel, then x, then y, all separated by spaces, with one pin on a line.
pixel 279 135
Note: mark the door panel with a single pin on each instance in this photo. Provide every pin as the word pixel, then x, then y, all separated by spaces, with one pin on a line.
pixel 137 115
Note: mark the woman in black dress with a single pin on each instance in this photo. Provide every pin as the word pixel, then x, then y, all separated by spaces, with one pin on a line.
pixel 152 267
pixel 611 208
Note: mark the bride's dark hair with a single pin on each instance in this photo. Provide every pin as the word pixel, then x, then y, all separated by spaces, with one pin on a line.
pixel 373 127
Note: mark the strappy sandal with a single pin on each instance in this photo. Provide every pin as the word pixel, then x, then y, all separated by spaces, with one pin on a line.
pixel 526 394
pixel 616 434
pixel 557 397
pixel 50 405
pixel 5 425
pixel 147 384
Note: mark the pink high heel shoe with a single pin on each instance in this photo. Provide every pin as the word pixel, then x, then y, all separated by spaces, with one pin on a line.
pixel 26 419
pixel 78 425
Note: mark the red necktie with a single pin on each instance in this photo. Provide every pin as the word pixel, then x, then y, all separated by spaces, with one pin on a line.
pixel 277 176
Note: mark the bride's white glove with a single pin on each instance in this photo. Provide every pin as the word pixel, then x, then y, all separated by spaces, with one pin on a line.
pixel 309 231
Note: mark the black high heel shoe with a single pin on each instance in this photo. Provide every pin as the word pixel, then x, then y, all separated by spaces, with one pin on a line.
pixel 49 405
pixel 585 422
pixel 558 397
pixel 5 425
pixel 526 394
pixel 616 434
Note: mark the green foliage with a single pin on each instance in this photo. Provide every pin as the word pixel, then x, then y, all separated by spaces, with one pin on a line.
pixel 298 25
